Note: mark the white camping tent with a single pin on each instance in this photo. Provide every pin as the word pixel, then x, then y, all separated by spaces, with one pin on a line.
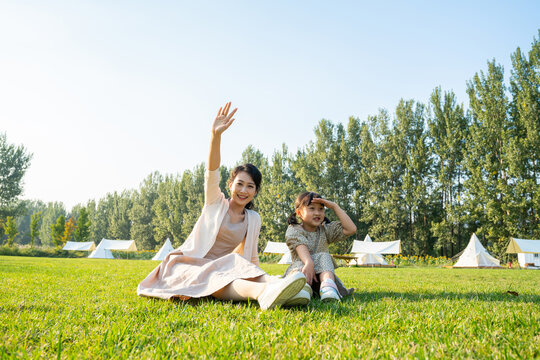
pixel 164 251
pixel 79 246
pixel 369 259
pixel 528 252
pixel 370 253
pixel 476 256
pixel 101 253
pixel 118 245
pixel 273 247
pixel 286 258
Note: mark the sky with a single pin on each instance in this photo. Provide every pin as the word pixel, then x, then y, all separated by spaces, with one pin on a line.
pixel 103 93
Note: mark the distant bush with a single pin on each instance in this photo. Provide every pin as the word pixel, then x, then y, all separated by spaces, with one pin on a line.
pixel 40 252
pixel 134 255
pixel 414 260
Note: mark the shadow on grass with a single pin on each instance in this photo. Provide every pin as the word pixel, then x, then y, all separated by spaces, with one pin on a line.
pixel 343 308
pixel 417 296
pixel 315 304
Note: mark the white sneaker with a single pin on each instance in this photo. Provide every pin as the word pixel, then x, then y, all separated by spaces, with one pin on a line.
pixel 307 288
pixel 278 292
pixel 300 299
pixel 328 293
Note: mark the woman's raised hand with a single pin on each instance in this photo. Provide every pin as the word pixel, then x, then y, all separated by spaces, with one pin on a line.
pixel 223 119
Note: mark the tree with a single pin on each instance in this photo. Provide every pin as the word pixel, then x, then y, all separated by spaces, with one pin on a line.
pixel 34 227
pixel 168 211
pixel 100 219
pixel 2 231
pixel 489 200
pixel 69 227
pixel 57 230
pixel 119 222
pixel 416 181
pixel 14 161
pixel 524 147
pixel 448 128
pixel 50 216
pixel 141 213
pixel 192 198
pixel 11 230
pixel 82 231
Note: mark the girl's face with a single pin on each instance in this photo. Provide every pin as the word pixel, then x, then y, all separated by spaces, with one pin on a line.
pixel 243 189
pixel 312 216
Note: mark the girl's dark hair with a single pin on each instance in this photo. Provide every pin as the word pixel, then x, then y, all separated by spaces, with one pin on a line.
pixel 304 199
pixel 252 171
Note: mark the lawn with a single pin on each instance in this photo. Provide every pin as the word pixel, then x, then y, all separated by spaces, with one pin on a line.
pixel 88 308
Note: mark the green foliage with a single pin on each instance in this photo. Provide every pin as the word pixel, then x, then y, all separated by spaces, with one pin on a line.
pixel 395 313
pixel 448 128
pixel 488 186
pixel 14 161
pixel 167 208
pixel 40 252
pixel 69 227
pixel 34 227
pixel 10 228
pixel 141 213
pixel 51 213
pixel 57 230
pixel 119 215
pixel 524 147
pixel 82 231
pixel 192 198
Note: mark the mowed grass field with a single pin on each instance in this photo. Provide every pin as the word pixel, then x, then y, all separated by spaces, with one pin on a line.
pixel 86 308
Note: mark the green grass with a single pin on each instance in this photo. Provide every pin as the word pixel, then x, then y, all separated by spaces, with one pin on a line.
pixel 86 308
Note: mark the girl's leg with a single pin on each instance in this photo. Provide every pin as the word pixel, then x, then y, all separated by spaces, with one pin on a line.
pixel 328 290
pixel 326 275
pixel 241 290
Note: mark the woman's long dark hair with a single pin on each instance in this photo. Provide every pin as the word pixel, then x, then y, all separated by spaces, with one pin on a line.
pixel 304 199
pixel 253 172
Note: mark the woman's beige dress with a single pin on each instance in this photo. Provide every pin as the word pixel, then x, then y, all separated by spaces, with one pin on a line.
pixel 199 277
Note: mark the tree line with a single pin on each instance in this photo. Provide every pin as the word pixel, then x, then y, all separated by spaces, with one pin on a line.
pixel 428 174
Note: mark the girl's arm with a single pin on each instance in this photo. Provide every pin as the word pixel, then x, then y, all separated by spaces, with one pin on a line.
pixel 348 225
pixel 309 268
pixel 221 123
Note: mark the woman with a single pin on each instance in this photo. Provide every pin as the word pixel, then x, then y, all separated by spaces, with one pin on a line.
pixel 219 258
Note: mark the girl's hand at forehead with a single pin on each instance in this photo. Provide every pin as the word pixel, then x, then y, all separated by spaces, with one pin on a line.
pixel 223 119
pixel 329 204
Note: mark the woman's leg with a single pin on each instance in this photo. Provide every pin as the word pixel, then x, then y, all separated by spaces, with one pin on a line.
pixel 241 290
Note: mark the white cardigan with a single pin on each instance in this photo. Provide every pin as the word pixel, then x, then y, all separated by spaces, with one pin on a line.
pixel 204 233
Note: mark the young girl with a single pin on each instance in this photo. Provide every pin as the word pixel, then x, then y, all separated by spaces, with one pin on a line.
pixel 308 236
pixel 219 258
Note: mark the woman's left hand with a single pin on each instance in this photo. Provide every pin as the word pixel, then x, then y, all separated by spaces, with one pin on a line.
pixel 223 119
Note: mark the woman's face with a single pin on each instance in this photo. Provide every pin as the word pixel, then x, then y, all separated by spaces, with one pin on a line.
pixel 243 189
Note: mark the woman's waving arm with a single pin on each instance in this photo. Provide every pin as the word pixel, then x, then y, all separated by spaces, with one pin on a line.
pixel 221 123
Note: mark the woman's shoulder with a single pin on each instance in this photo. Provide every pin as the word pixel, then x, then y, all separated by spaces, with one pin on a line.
pixel 252 214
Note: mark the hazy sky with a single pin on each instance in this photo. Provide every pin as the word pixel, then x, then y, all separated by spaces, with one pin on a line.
pixel 105 92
